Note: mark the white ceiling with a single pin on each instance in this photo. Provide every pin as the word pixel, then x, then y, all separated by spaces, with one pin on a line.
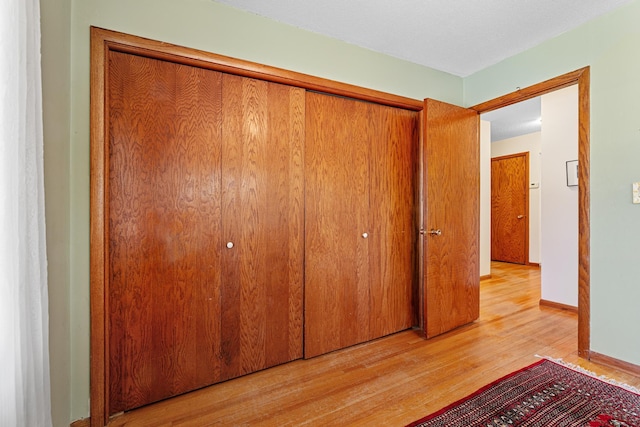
pixel 515 120
pixel 459 37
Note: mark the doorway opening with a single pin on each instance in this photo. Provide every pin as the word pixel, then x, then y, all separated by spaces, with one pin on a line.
pixel 581 79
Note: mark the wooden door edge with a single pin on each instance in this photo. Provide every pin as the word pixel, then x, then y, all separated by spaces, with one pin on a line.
pixel 97 376
pixel 527 206
pixel 423 323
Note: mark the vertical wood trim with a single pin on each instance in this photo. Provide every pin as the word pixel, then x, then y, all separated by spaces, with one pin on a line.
pixel 584 219
pixel 418 292
pixel 582 79
pixel 98 251
pixel 527 209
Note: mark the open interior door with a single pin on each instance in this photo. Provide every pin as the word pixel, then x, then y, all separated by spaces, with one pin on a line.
pixel 450 215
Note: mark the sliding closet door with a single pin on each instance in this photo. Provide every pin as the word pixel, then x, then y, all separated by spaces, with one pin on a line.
pixel 205 232
pixel 164 229
pixel 392 213
pixel 263 215
pixel 360 190
pixel 336 223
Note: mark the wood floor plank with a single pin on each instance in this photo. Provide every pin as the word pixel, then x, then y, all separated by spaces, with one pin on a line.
pixel 396 379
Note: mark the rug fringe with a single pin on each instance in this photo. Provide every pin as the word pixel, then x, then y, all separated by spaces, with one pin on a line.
pixel 582 370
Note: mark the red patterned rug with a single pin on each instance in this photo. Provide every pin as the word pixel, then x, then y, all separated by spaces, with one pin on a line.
pixel 542 395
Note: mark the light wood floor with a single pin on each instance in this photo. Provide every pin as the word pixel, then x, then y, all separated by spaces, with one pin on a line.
pixel 394 380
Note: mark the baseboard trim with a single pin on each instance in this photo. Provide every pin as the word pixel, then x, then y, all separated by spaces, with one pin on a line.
pixel 85 422
pixel 552 304
pixel 612 362
pixel 488 276
pixel 533 264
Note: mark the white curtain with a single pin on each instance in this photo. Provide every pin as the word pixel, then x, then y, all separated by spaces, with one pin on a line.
pixel 24 344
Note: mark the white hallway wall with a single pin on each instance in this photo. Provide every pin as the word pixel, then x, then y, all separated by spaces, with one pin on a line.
pixel 559 202
pixel 485 198
pixel 553 207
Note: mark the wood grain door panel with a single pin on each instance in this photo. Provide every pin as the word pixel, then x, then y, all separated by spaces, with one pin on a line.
pixel 393 166
pixel 337 207
pixel 451 185
pixel 510 208
pixel 199 159
pixel 263 214
pixel 164 229
pixel 360 221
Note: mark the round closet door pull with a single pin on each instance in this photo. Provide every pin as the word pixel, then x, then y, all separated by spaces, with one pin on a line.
pixel 365 235
pixel 229 245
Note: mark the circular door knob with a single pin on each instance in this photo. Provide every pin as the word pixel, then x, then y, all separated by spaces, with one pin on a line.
pixel 520 216
pixel 437 232
pixel 229 245
pixel 365 235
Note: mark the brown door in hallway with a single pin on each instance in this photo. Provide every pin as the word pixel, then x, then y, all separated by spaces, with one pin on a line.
pixel 450 212
pixel 510 208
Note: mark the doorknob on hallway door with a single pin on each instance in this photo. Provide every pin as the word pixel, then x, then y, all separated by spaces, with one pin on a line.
pixel 520 216
pixel 437 232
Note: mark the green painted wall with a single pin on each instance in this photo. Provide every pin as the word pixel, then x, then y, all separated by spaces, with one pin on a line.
pixel 212 27
pixel 610 45
pixel 56 88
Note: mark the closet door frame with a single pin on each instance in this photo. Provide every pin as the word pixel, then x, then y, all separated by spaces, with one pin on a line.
pixel 102 42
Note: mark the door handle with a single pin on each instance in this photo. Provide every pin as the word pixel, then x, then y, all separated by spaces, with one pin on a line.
pixel 437 232
pixel 520 216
